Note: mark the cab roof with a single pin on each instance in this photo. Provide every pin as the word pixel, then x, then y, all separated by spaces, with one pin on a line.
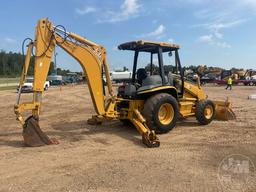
pixel 148 46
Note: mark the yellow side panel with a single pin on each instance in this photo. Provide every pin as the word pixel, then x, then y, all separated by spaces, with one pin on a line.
pixel 156 89
pixel 193 91
pixel 186 108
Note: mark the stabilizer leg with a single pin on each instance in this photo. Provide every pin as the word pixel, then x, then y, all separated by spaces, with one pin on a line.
pixel 149 137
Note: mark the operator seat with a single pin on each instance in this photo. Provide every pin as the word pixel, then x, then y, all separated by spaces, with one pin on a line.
pixel 154 81
pixel 151 82
pixel 141 75
pixel 170 79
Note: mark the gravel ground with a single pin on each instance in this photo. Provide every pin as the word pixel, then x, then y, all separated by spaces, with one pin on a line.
pixel 111 157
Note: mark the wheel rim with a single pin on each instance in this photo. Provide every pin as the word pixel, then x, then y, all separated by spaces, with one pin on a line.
pixel 166 114
pixel 208 112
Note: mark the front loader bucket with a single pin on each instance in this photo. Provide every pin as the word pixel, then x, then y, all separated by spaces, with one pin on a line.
pixel 224 111
pixel 34 136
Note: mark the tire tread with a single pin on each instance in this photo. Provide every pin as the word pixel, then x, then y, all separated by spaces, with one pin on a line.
pixel 149 111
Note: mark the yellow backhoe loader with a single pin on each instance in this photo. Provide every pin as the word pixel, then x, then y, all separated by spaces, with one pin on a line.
pixel 152 102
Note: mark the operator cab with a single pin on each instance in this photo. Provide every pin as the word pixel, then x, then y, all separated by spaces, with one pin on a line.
pixel 154 73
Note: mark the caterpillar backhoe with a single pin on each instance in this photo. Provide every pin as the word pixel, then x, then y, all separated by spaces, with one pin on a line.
pixel 151 101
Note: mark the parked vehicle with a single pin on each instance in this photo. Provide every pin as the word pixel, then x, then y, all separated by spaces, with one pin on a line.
pixel 57 82
pixel 249 82
pixel 121 76
pixel 28 85
pixel 208 78
pixel 70 79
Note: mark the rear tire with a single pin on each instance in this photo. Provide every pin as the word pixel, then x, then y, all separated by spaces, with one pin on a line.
pixel 161 112
pixel 205 112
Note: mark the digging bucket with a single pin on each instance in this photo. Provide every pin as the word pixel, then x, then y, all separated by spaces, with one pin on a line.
pixel 34 136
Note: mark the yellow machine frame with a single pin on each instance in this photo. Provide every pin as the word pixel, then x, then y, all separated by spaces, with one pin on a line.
pixel 93 59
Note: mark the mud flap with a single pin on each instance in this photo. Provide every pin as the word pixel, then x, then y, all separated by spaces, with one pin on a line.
pixel 33 135
pixel 224 111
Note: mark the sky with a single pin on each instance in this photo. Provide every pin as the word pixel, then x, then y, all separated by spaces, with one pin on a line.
pixel 219 33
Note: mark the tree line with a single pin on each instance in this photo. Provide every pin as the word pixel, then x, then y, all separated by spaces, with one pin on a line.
pixel 11 65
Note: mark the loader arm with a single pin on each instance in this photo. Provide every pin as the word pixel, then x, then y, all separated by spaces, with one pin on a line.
pixel 91 57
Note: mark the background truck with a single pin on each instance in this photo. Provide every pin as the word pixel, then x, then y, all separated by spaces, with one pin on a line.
pixel 28 85
pixel 121 76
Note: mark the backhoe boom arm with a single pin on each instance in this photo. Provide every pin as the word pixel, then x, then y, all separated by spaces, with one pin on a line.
pixel 93 60
pixel 91 57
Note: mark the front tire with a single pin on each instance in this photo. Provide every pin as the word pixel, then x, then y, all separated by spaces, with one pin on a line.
pixel 205 112
pixel 161 112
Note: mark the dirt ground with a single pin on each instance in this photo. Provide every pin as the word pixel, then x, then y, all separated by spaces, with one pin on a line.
pixel 111 157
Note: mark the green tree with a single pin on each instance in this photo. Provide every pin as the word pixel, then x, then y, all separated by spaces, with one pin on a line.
pixel 11 64
pixel 155 69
